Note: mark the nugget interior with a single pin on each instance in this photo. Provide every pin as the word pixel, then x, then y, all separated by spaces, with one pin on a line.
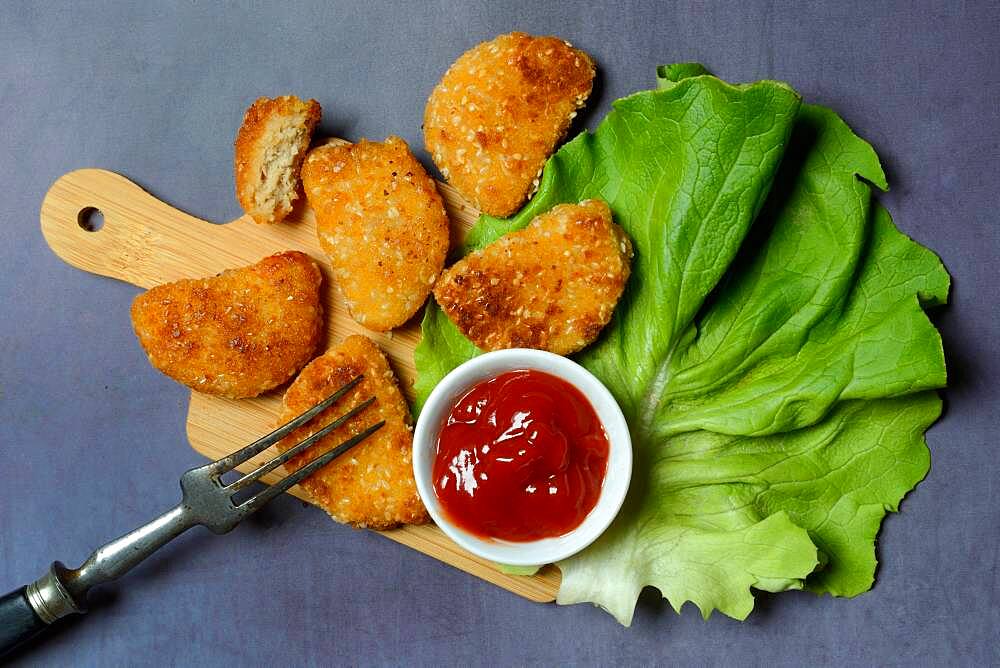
pixel 269 151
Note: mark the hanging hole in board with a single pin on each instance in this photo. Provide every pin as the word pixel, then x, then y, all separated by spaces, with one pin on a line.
pixel 90 219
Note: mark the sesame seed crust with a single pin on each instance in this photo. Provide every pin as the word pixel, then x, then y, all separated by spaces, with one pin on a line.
pixel 500 111
pixel 372 485
pixel 552 285
pixel 382 223
pixel 237 334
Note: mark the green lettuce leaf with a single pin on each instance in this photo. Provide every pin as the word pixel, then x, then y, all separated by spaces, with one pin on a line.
pixel 776 379
pixel 722 513
pixel 704 201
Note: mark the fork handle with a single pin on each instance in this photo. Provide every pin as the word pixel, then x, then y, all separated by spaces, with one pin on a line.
pixel 63 591
pixel 27 611
pixel 18 620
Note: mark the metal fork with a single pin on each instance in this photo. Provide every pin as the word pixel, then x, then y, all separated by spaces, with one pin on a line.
pixel 206 500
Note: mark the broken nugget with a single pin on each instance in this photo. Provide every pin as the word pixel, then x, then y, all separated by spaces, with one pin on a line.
pixel 372 485
pixel 382 223
pixel 237 334
pixel 269 150
pixel 552 285
pixel 500 111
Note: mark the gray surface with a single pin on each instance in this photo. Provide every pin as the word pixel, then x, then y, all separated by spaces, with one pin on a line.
pixel 93 438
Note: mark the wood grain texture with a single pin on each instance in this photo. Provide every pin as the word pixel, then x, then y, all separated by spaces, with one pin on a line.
pixel 146 242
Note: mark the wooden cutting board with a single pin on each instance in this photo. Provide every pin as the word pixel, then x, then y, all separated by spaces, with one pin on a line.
pixel 146 242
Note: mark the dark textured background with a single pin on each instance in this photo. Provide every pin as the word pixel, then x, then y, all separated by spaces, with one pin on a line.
pixel 92 439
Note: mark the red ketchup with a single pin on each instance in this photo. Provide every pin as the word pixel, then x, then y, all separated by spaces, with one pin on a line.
pixel 520 457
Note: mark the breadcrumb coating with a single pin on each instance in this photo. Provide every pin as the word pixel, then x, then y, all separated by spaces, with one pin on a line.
pixel 382 222
pixel 269 149
pixel 552 285
pixel 371 485
pixel 500 111
pixel 237 334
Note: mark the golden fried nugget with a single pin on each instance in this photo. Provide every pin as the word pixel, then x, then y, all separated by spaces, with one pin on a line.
pixel 269 149
pixel 499 112
pixel 372 485
pixel 237 334
pixel 381 221
pixel 552 285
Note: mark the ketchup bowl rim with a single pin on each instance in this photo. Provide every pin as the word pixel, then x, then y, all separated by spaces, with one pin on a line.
pixel 616 479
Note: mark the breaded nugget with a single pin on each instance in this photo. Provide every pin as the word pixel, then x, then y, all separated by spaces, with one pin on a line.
pixel 552 285
pixel 237 334
pixel 371 485
pixel 499 112
pixel 381 221
pixel 269 149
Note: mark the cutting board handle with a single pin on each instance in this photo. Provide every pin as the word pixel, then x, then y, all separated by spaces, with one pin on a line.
pixel 143 241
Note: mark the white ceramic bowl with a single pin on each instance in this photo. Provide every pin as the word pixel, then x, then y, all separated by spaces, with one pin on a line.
pixel 616 480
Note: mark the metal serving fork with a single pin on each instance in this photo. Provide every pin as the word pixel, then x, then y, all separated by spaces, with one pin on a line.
pixel 206 500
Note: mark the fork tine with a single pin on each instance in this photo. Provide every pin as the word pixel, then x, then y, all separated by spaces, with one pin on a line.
pixel 231 461
pixel 255 502
pixel 274 463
